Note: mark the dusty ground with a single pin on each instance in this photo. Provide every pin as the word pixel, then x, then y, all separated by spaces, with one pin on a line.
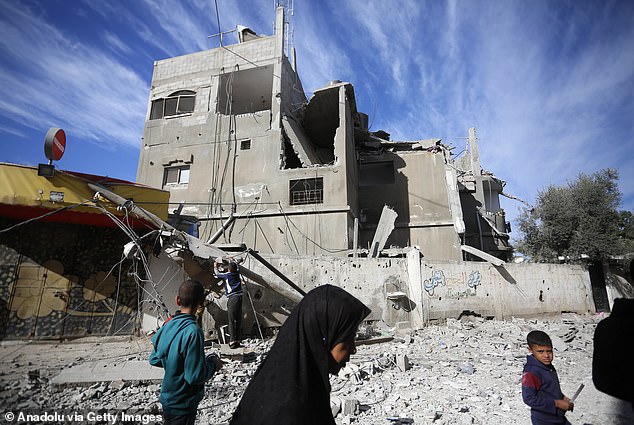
pixel 462 372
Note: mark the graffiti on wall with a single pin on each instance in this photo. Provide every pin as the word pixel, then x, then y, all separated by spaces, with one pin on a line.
pixel 41 290
pixel 474 279
pixel 65 280
pixel 438 279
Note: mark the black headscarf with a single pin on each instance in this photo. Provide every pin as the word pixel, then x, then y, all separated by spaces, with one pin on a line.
pixel 291 386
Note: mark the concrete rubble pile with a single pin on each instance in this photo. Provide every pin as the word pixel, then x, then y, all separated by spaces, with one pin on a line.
pixel 463 371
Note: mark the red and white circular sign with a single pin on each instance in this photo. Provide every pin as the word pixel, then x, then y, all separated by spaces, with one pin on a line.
pixel 55 144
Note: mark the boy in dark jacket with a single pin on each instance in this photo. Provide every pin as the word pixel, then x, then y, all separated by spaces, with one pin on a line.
pixel 179 349
pixel 540 384
pixel 233 291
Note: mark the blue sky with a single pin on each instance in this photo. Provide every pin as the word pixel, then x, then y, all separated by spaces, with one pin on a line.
pixel 549 85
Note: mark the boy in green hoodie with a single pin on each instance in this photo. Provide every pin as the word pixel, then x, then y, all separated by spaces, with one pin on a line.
pixel 179 349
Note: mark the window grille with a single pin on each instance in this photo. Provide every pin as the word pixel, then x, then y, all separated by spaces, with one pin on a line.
pixel 306 191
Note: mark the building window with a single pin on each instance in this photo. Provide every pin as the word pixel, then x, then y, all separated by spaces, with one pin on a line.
pixel 173 176
pixel 245 91
pixel 178 103
pixel 376 173
pixel 306 191
pixel 245 145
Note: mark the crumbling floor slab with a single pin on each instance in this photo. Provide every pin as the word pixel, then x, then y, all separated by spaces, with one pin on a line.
pixel 104 371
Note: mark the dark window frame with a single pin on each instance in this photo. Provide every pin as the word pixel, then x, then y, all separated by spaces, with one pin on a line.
pixel 306 191
pixel 168 179
pixel 245 144
pixel 178 103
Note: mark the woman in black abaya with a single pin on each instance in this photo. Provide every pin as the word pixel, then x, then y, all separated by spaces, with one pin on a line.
pixel 291 386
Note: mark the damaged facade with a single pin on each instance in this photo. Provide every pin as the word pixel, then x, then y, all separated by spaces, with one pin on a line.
pixel 306 194
pixel 300 188
pixel 232 136
pixel 402 225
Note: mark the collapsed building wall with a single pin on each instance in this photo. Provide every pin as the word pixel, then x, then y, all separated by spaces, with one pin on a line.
pixel 412 289
pixel 618 274
pixel 411 178
pixel 485 221
pixel 447 288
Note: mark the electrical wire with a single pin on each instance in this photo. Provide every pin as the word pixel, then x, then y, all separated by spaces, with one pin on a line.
pixel 48 214
pixel 116 300
pixel 134 238
pixel 124 226
pixel 288 220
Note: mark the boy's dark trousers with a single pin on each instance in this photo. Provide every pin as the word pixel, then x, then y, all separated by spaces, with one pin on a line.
pixel 234 312
pixel 179 420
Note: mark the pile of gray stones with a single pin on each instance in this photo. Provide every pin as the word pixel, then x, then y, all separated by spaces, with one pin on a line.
pixel 465 371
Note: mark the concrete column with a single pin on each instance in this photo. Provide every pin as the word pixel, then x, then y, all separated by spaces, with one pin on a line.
pixel 475 166
pixel 420 315
pixel 276 104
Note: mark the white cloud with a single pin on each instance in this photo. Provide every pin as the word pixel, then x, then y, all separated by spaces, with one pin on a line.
pixel 67 83
pixel 187 28
pixel 547 86
pixel 116 43
pixel 320 59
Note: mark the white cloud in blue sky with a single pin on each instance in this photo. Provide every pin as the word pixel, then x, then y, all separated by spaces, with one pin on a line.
pixel 549 85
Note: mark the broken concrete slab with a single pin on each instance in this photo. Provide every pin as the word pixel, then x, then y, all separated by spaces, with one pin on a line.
pixel 104 371
pixel 350 406
pixel 300 142
pixel 402 362
pixel 383 230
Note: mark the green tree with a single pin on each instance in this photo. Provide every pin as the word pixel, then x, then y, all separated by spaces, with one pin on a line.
pixel 626 232
pixel 577 220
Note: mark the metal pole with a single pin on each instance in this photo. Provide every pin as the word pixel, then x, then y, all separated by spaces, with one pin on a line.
pixel 276 271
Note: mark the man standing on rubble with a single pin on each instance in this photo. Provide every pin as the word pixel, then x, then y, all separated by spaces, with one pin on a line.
pixel 233 291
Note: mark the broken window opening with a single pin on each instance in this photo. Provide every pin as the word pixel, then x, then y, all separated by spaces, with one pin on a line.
pixel 321 121
pixel 178 103
pixel 173 176
pixel 245 145
pixel 246 91
pixel 376 173
pixel 306 191
pixel 290 158
pixel 299 151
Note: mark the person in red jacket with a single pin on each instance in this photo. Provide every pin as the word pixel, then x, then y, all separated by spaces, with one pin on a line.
pixel 540 383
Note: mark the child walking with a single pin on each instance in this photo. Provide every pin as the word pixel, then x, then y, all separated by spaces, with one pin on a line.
pixel 540 384
pixel 179 349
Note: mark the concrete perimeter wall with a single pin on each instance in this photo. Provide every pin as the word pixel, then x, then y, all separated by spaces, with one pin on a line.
pixel 418 291
pixel 444 289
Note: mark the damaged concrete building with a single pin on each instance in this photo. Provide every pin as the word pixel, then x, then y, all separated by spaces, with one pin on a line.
pixel 232 136
pixel 251 162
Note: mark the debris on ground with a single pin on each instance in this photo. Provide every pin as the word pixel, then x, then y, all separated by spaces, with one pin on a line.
pixel 463 371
